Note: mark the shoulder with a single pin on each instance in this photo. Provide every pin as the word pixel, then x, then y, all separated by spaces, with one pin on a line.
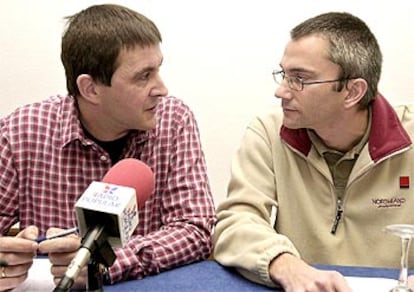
pixel 405 113
pixel 269 119
pixel 46 107
pixel 174 110
pixel 32 117
pixel 171 104
pixel 264 127
pixel 175 122
pixel 404 110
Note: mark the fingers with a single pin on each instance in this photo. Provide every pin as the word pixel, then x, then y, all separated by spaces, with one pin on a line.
pixel 30 232
pixel 17 254
pixel 17 251
pixel 293 274
pixel 53 230
pixel 61 259
pixel 411 282
pixel 331 281
pixel 68 243
pixel 14 259
pixel 14 271
pixel 10 283
pixel 61 252
pixel 16 244
pixel 12 276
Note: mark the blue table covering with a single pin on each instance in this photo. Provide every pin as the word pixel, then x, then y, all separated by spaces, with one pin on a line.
pixel 211 276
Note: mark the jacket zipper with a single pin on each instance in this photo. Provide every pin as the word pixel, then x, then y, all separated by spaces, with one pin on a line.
pixel 339 211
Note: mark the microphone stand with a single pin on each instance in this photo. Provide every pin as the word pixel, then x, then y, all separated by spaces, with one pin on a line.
pixel 105 256
pixel 101 253
pixel 95 279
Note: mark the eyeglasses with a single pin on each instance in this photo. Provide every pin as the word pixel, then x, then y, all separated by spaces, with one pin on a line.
pixel 297 83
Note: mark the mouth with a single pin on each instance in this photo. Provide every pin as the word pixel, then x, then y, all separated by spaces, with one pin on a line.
pixel 152 109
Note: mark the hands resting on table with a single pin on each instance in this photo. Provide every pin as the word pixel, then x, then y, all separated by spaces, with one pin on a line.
pixel 294 275
pixel 17 254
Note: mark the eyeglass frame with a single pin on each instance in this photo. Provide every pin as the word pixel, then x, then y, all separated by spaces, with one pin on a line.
pixel 301 82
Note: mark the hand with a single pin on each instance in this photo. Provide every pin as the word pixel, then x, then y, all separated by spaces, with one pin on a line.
pixel 411 282
pixel 61 251
pixel 16 257
pixel 293 274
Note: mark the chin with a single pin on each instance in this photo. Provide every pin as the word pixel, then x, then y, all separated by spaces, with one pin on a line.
pixel 148 126
pixel 145 124
pixel 152 124
pixel 290 125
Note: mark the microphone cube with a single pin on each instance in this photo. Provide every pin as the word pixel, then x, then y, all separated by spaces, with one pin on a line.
pixel 112 206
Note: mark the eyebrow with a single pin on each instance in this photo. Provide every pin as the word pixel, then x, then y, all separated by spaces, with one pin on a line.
pixel 300 70
pixel 297 70
pixel 147 69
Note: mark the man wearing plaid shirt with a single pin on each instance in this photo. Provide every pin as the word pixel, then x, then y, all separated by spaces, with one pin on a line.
pixel 117 107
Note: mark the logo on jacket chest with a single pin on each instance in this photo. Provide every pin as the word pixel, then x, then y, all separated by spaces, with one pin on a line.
pixel 394 202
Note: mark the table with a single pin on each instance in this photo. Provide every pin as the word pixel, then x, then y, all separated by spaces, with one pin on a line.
pixel 211 276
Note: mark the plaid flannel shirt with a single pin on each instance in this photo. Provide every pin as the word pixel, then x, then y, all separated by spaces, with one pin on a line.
pixel 46 162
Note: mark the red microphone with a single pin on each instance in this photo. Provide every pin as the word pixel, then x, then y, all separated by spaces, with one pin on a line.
pixel 107 214
pixel 133 173
pixel 112 203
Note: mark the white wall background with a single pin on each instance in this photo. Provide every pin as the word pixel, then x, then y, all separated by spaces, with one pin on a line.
pixel 218 56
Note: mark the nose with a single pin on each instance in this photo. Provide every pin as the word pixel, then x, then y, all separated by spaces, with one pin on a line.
pixel 283 91
pixel 159 88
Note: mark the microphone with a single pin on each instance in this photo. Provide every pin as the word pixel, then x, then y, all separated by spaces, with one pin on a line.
pixel 107 214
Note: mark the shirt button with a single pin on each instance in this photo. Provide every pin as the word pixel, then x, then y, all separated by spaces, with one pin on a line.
pixel 103 158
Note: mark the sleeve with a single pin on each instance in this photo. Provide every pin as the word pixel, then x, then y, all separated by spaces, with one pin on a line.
pixel 244 236
pixel 8 184
pixel 186 208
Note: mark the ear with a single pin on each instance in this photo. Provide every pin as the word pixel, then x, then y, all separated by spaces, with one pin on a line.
pixel 356 90
pixel 87 88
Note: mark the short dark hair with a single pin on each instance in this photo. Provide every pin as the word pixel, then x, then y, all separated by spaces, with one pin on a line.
pixel 94 38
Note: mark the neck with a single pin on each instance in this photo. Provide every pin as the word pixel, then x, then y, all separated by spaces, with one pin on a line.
pixel 346 133
pixel 91 120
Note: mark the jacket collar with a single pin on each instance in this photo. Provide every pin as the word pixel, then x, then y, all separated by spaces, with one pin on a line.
pixel 387 134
